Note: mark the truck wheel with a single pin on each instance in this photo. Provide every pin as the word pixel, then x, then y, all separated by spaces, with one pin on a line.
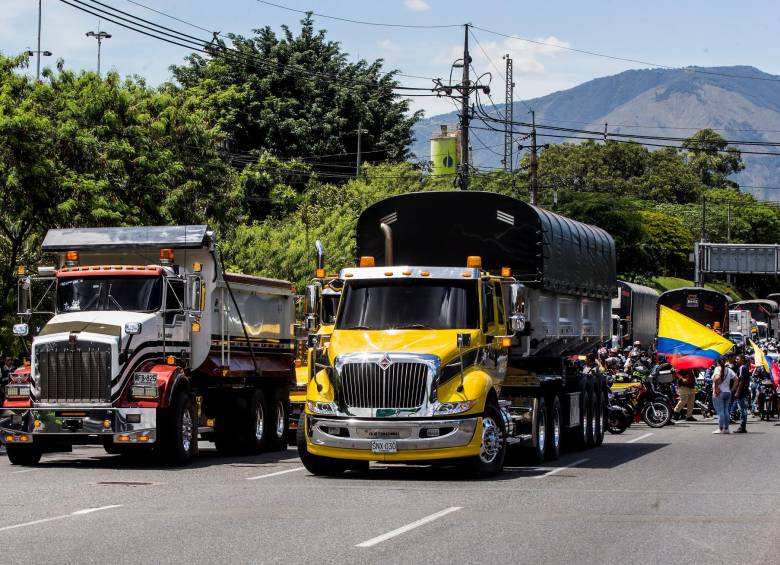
pixel 24 454
pixel 490 460
pixel 179 433
pixel 581 434
pixel 316 464
pixel 594 419
pixel 553 429
pixel 601 417
pixel 281 417
pixel 536 454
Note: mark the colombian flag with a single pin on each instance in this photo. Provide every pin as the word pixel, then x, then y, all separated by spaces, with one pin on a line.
pixel 759 360
pixel 686 343
pixel 774 371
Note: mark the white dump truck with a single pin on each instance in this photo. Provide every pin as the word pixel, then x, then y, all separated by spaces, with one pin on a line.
pixel 150 346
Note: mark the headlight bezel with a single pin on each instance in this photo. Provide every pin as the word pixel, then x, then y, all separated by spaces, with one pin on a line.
pixel 17 391
pixel 321 408
pixel 453 408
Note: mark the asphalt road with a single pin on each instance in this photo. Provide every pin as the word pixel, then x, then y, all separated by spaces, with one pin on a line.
pixel 676 495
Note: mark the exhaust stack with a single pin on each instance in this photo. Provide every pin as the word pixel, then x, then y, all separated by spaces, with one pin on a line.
pixel 320 254
pixel 388 233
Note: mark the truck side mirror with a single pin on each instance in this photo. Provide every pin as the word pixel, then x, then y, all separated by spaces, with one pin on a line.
pixel 517 323
pixel 312 299
pixel 515 308
pixel 194 293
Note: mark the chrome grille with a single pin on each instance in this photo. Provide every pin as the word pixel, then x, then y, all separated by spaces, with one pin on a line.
pixel 78 374
pixel 400 385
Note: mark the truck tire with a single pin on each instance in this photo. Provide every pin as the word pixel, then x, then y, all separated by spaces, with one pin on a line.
pixel 178 432
pixel 581 434
pixel 316 464
pixel 257 430
pixel 24 454
pixel 601 416
pixel 537 454
pixel 490 461
pixel 281 418
pixel 594 419
pixel 554 419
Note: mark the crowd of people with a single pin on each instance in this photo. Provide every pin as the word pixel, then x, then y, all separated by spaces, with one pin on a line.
pixel 729 389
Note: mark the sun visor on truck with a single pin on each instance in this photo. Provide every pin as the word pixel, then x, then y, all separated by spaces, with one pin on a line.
pixel 95 239
pixel 440 229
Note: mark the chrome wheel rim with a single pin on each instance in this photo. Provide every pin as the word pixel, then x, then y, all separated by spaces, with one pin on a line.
pixel 259 422
pixel 596 425
pixel 186 430
pixel 280 423
pixel 584 421
pixel 556 428
pixel 491 440
pixel 542 439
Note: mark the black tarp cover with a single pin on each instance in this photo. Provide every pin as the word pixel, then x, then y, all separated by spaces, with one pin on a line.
pixel 440 229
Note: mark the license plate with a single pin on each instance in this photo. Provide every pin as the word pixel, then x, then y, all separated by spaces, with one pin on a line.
pixel 384 446
pixel 145 379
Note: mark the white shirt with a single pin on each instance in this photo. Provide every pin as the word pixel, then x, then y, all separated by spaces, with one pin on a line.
pixel 725 385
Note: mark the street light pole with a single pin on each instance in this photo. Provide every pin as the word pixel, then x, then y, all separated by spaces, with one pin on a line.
pixel 100 36
pixel 38 64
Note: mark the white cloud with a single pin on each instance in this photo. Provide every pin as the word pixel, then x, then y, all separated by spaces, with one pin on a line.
pixel 387 45
pixel 526 55
pixel 417 5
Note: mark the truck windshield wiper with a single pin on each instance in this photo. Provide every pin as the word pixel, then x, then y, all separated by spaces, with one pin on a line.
pixel 412 327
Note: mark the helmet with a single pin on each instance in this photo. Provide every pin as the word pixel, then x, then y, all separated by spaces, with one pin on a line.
pixel 637 343
pixel 662 358
pixel 613 351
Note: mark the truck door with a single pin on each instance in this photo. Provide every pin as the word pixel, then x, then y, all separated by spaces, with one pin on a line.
pixel 176 329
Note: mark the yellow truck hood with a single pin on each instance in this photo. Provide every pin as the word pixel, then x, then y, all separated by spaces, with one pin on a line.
pixel 442 343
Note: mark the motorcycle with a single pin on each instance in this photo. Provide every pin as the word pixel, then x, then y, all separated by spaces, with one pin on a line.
pixel 767 399
pixel 649 405
pixel 703 399
pixel 619 412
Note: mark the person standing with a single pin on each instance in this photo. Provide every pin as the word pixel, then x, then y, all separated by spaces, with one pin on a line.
pixel 723 380
pixel 742 392
pixel 686 389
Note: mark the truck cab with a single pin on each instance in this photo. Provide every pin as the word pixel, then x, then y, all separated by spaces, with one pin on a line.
pixel 419 354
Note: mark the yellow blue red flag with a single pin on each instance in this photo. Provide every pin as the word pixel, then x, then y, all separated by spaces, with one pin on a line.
pixel 759 360
pixel 686 343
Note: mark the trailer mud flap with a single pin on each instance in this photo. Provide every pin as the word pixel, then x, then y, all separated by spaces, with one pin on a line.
pixel 574 410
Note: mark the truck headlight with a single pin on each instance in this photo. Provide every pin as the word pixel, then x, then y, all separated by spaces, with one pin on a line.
pixel 322 408
pixel 17 391
pixel 145 392
pixel 447 408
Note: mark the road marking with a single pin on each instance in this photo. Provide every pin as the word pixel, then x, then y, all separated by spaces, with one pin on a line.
pixel 559 469
pixel 63 516
pixel 275 474
pixel 408 527
pixel 643 436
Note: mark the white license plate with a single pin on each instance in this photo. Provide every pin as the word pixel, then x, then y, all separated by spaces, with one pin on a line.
pixel 145 379
pixel 384 446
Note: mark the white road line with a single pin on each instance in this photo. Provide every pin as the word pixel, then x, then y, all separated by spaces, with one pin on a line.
pixel 275 474
pixel 559 469
pixel 408 527
pixel 53 518
pixel 643 436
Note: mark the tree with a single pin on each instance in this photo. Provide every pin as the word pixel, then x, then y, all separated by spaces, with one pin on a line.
pixel 78 150
pixel 709 155
pixel 300 97
pixel 666 244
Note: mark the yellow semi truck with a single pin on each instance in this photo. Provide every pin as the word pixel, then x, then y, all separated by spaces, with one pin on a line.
pixel 458 337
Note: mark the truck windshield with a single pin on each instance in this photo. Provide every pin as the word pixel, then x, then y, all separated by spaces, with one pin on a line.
pixel 134 293
pixel 409 304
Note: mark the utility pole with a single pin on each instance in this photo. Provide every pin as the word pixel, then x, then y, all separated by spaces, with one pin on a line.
pixel 359 147
pixel 38 52
pixel 508 115
pixel 534 162
pixel 100 36
pixel 464 113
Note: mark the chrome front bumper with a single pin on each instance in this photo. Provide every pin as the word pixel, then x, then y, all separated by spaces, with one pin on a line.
pixel 65 422
pixel 409 434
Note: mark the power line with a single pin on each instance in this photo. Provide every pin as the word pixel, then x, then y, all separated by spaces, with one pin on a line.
pixel 194 43
pixel 361 22
pixel 625 59
pixel 192 25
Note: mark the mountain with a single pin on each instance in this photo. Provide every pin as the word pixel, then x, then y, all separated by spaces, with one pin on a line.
pixel 657 102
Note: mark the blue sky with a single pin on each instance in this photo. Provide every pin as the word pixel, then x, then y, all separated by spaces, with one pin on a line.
pixel 675 33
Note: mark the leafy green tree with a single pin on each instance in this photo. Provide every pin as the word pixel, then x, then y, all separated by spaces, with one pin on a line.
pixel 666 244
pixel 299 96
pixel 709 155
